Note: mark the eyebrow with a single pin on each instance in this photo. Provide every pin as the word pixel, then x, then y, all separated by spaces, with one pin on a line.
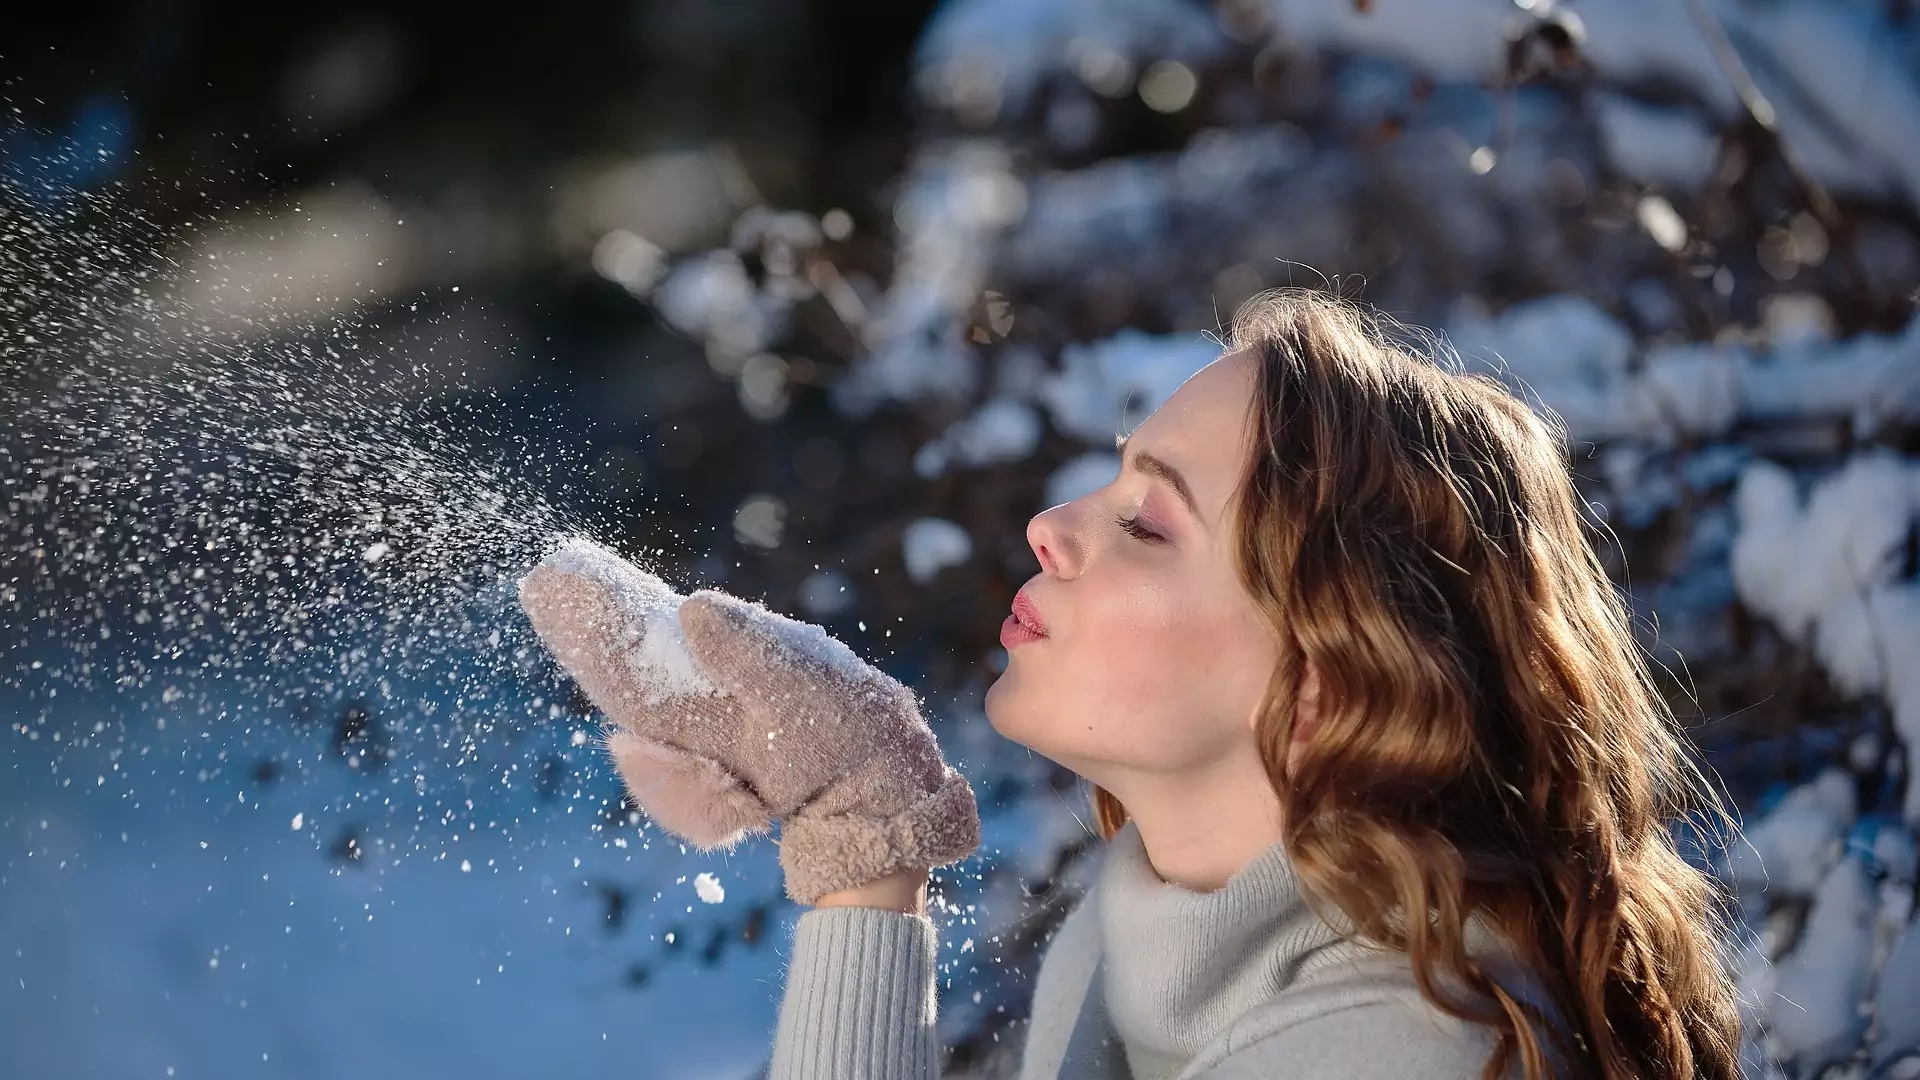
pixel 1156 467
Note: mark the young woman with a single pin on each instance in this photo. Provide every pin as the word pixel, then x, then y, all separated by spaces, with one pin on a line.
pixel 1385 782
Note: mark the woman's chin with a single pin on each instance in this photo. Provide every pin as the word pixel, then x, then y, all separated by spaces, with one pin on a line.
pixel 989 701
pixel 1018 721
pixel 1001 707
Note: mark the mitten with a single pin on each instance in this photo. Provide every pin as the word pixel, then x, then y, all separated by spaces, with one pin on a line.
pixel 725 716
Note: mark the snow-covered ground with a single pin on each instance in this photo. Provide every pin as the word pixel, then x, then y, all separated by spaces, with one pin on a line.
pixel 165 913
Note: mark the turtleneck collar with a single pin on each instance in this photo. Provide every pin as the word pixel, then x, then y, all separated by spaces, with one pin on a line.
pixel 1180 966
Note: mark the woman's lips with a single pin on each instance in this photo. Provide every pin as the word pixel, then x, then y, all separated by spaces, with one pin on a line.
pixel 1012 633
pixel 1024 624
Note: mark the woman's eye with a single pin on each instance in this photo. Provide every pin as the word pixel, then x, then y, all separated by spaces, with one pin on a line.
pixel 1133 528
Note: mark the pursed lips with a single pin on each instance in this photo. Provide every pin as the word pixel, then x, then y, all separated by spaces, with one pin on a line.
pixel 1027 614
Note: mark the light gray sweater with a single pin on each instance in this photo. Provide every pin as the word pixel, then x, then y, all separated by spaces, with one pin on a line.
pixel 1145 980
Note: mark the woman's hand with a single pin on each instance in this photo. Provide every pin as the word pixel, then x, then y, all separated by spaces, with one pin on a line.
pixel 727 716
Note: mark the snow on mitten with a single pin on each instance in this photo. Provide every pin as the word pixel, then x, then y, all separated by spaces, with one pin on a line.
pixel 835 746
pixel 728 715
pixel 612 626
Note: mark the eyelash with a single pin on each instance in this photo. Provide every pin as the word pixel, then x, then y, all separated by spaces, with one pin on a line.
pixel 1132 527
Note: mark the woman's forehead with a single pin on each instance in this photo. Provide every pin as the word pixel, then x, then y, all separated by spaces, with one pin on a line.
pixel 1202 430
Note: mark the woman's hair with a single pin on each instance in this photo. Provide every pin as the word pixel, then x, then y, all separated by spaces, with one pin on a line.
pixel 1490 744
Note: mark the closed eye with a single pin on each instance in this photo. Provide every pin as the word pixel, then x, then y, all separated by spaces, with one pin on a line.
pixel 1133 528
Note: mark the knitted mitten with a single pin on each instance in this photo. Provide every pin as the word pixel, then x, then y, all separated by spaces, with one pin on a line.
pixel 727 716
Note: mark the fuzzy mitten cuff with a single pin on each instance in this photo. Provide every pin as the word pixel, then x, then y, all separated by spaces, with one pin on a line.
pixel 727 716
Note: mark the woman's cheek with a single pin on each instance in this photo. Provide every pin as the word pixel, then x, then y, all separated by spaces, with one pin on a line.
pixel 1148 653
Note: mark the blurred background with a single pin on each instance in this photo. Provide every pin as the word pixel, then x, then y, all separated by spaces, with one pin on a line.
pixel 319 324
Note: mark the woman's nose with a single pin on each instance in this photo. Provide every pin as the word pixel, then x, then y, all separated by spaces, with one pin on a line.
pixel 1051 544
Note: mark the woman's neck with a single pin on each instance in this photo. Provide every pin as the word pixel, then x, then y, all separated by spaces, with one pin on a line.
pixel 1200 829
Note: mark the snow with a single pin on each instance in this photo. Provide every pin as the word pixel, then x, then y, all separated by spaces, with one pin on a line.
pixel 1452 40
pixel 1795 563
pixel 711 297
pixel 1823 982
pixel 659 654
pixel 709 889
pixel 1866 378
pixel 1653 145
pixel 1081 475
pixel 1567 354
pixel 1105 387
pixel 1697 390
pixel 955 199
pixel 1639 42
pixel 930 545
pixel 1845 99
pixel 1135 211
pixel 1824 574
pixel 1002 429
pixel 1894 627
pixel 810 644
pixel 1848 101
pixel 1857 637
pixel 1788 851
pixel 1100 390
pixel 258 955
pixel 982 56
pixel 1897 999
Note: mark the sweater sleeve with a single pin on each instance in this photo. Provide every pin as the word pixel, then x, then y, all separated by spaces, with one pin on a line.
pixel 1383 1040
pixel 859 1001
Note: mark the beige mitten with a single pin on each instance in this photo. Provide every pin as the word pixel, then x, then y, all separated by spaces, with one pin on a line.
pixel 727 716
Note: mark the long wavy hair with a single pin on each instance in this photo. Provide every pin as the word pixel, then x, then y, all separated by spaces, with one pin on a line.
pixel 1491 744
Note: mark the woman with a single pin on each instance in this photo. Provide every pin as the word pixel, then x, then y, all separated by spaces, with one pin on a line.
pixel 1332 648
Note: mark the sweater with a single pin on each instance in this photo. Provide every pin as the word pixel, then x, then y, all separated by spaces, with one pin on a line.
pixel 1144 980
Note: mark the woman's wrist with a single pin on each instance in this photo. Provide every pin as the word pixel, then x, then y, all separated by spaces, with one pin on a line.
pixel 904 891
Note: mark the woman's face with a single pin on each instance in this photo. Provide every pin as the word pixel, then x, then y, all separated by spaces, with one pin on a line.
pixel 1155 657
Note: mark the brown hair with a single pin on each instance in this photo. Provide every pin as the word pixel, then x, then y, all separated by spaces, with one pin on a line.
pixel 1491 744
